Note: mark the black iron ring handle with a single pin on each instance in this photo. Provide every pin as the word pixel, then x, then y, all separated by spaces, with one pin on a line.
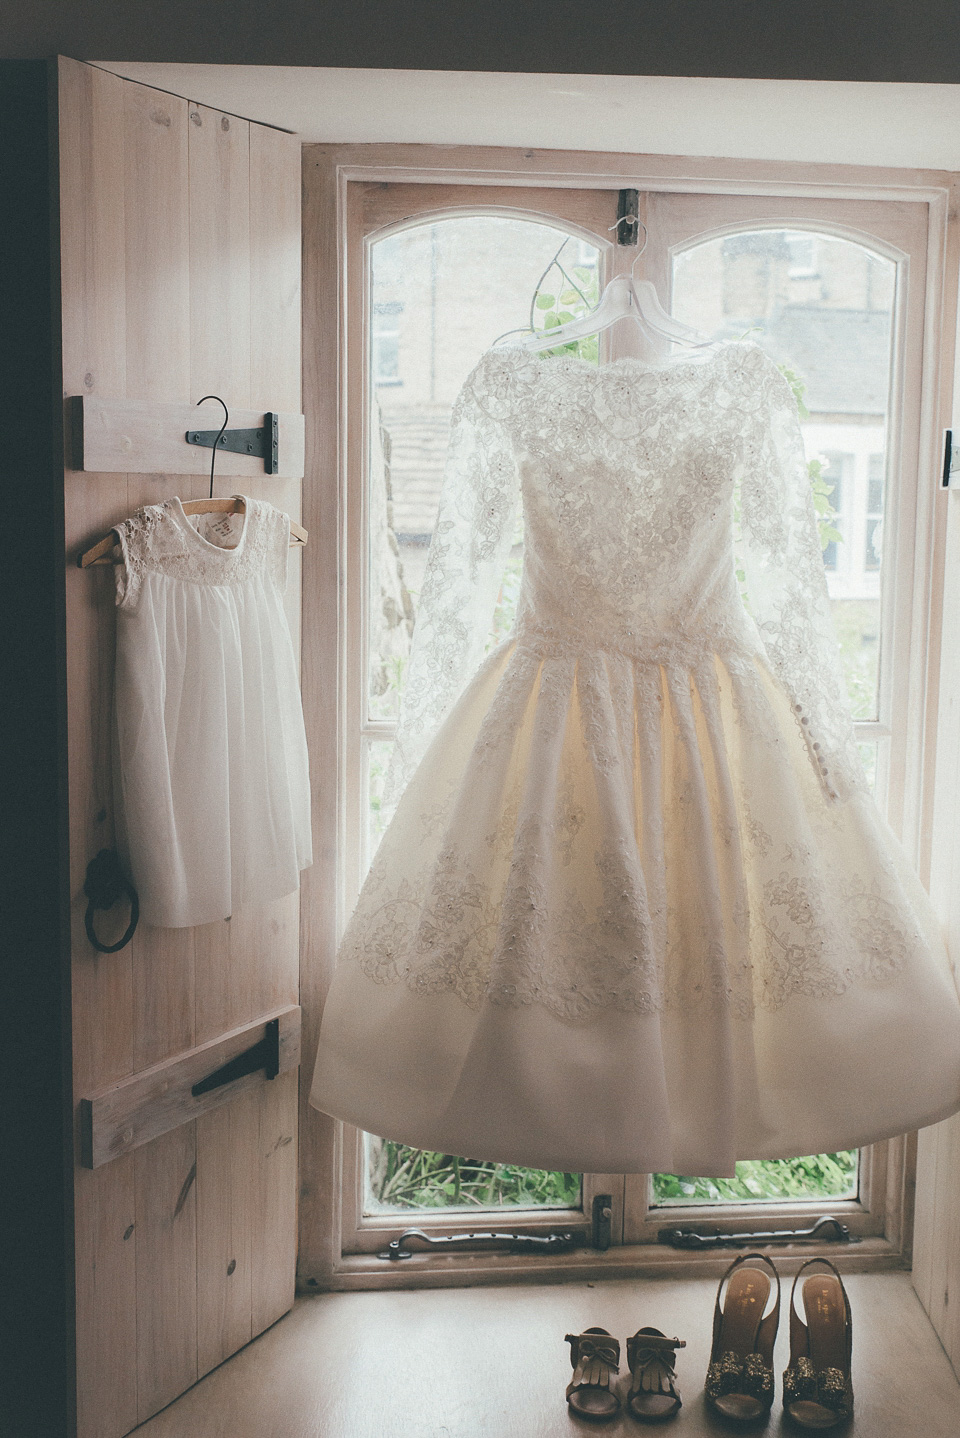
pixel 104 885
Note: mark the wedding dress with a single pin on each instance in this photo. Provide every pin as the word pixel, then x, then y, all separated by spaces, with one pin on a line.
pixel 636 910
pixel 212 791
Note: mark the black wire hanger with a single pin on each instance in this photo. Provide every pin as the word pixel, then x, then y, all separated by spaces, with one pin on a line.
pixel 226 421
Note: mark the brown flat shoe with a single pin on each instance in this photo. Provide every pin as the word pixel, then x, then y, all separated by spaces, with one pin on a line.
pixel 595 1356
pixel 653 1395
pixel 740 1377
pixel 817 1388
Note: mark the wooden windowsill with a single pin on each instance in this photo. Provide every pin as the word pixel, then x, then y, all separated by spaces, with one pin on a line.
pixel 478 1362
pixel 643 1260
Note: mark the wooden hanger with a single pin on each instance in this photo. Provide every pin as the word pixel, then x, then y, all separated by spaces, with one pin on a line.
pixel 102 553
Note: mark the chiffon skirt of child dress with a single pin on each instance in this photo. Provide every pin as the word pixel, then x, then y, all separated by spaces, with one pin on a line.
pixel 636 910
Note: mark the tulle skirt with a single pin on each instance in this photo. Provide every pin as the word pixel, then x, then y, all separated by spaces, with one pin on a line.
pixel 617 924
pixel 212 786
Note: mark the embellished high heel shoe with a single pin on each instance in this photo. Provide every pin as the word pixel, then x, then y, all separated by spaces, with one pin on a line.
pixel 595 1356
pixel 740 1377
pixel 653 1394
pixel 817 1388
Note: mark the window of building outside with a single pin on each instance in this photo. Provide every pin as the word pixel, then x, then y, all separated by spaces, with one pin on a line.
pixel 440 291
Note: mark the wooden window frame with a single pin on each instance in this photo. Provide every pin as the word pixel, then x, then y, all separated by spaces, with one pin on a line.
pixel 334 176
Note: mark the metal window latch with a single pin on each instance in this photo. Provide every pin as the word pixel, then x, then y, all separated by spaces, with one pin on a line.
pixel 602 1216
pixel 262 443
pixel 263 1055
pixel 828 1229
pixel 545 1243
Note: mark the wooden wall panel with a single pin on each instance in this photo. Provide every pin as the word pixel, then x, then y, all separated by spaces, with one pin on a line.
pixel 180 278
pixel 936 1269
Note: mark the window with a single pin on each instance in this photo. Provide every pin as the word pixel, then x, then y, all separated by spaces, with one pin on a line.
pixel 832 471
pixel 873 547
pixel 385 343
pixel 821 279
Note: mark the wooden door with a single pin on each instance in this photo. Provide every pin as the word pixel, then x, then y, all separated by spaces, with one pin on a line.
pixel 180 246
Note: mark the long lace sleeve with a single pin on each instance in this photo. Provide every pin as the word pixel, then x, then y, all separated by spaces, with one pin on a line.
pixel 465 565
pixel 782 562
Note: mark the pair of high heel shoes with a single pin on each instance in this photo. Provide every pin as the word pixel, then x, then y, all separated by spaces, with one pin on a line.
pixel 817 1388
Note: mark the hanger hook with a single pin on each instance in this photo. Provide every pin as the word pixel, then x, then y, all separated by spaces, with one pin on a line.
pixel 226 421
pixel 646 236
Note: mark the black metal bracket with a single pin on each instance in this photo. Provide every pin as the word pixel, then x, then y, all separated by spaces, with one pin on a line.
pixel 262 443
pixel 263 1055
pixel 512 1242
pixel 950 464
pixel 628 217
pixel 602 1216
pixel 829 1229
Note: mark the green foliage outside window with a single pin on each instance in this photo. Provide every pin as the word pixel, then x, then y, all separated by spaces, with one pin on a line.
pixel 405 1178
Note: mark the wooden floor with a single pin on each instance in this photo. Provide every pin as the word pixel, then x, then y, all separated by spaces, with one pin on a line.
pixel 492 1363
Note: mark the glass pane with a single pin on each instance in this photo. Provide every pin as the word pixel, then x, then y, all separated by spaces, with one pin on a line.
pixel 772 1180
pixel 440 295
pixel 399 1178
pixel 377 757
pixel 868 758
pixel 822 308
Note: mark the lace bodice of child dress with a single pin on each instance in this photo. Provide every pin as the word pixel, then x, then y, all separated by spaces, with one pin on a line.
pixel 211 785
pixel 636 910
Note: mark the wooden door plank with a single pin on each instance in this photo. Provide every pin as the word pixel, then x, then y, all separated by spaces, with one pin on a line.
pixel 106 1272
pixel 153 1101
pixel 226 970
pixel 275 243
pixel 157 246
pixel 158 356
pixel 274 1274
pixel 166 1237
pixel 275 305
pixel 226 1233
pixel 220 256
pixel 94 360
pixel 94 327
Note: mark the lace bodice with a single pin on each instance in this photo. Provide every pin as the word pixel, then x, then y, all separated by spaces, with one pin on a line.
pixel 212 549
pixel 667 513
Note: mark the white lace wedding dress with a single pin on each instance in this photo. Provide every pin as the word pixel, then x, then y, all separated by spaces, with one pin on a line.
pixel 636 910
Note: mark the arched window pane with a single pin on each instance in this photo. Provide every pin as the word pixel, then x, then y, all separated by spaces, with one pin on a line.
pixel 822 307
pixel 440 294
